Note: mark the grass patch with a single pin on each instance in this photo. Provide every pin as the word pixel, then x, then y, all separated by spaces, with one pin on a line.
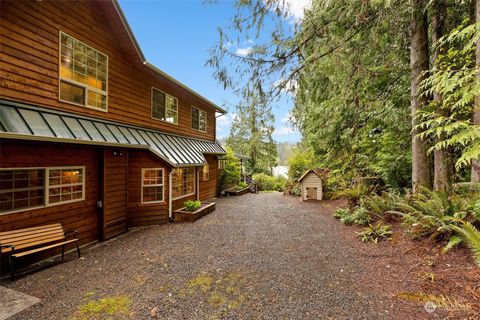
pixel 116 307
pixel 203 281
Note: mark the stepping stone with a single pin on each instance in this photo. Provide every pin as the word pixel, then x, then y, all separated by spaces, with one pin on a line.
pixel 12 302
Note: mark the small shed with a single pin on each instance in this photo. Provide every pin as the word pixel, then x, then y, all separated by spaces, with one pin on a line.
pixel 311 183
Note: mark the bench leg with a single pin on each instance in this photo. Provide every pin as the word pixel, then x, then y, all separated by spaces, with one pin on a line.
pixel 63 252
pixel 11 264
pixel 78 248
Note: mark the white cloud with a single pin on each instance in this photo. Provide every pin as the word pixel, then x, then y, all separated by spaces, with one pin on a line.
pixel 224 122
pixel 243 51
pixel 288 86
pixel 295 9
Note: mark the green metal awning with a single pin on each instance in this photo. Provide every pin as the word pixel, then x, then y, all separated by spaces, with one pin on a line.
pixel 21 121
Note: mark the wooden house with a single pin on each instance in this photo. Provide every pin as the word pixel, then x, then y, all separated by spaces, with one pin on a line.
pixel 311 183
pixel 91 134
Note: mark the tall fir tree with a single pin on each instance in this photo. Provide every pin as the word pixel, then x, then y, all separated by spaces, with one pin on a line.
pixel 251 134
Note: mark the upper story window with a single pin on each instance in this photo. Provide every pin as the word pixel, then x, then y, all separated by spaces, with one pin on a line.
pixel 83 74
pixel 199 119
pixel 164 106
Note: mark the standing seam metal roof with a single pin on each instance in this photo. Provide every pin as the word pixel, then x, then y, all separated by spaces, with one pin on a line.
pixel 23 121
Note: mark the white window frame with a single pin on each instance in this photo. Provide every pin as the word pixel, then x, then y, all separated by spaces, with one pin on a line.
pixel 46 186
pixel 208 172
pixel 153 185
pixel 191 119
pixel 194 184
pixel 80 84
pixel 165 106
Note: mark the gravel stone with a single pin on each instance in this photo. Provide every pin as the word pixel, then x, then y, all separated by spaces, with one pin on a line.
pixel 264 256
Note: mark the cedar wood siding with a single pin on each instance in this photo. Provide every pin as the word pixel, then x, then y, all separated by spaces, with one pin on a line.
pixel 208 188
pixel 145 214
pixel 29 51
pixel 81 216
pixel 115 217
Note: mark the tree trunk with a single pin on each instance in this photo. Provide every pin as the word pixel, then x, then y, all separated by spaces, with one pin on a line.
pixel 476 112
pixel 442 162
pixel 421 161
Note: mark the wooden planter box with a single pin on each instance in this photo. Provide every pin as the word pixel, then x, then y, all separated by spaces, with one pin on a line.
pixel 182 215
pixel 235 192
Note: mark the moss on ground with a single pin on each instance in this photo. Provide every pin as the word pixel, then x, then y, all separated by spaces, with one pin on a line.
pixel 114 307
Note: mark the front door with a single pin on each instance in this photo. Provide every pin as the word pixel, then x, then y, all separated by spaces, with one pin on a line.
pixel 312 193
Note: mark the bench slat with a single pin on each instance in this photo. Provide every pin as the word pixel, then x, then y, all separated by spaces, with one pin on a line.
pixel 28 232
pixel 21 254
pixel 21 237
pixel 57 225
pixel 35 241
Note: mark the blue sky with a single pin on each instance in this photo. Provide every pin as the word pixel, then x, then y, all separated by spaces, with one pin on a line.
pixel 175 36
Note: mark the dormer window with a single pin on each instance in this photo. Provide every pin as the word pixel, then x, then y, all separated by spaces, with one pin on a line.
pixel 199 120
pixel 83 74
pixel 164 106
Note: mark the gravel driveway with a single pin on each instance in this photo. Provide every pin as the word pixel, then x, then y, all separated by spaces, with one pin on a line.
pixel 264 256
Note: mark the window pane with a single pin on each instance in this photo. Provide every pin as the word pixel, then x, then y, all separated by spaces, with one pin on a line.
pixel 183 181
pixel 21 189
pixel 68 185
pixel 158 105
pixel 85 65
pixel 72 93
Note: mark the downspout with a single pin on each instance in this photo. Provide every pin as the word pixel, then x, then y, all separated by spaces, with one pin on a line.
pixel 170 212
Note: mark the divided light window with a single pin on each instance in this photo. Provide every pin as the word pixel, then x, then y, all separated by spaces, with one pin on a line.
pixel 21 189
pixel 183 182
pixel 152 185
pixel 164 106
pixel 24 188
pixel 83 74
pixel 199 119
pixel 206 172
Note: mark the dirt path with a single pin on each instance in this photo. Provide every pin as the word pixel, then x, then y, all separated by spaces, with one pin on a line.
pixel 263 256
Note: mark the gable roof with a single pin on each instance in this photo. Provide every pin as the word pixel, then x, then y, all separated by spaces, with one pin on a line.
pixel 21 121
pixel 141 56
pixel 318 172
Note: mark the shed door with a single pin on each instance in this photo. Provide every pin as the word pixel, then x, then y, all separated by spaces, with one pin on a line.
pixel 311 193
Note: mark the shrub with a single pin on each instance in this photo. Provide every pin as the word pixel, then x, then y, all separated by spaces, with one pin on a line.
pixel 269 183
pixel 354 194
pixel 360 216
pixel 192 205
pixel 230 174
pixel 375 233
pixel 242 185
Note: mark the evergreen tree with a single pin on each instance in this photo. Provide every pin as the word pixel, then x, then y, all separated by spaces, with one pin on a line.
pixel 251 134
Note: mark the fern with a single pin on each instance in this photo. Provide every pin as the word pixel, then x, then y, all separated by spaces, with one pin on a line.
pixel 471 236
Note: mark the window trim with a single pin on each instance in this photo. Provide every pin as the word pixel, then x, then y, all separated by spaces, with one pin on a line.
pixel 76 83
pixel 46 185
pixel 151 106
pixel 194 184
pixel 191 119
pixel 153 185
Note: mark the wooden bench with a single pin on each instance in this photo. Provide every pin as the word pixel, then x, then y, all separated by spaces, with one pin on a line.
pixel 23 242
